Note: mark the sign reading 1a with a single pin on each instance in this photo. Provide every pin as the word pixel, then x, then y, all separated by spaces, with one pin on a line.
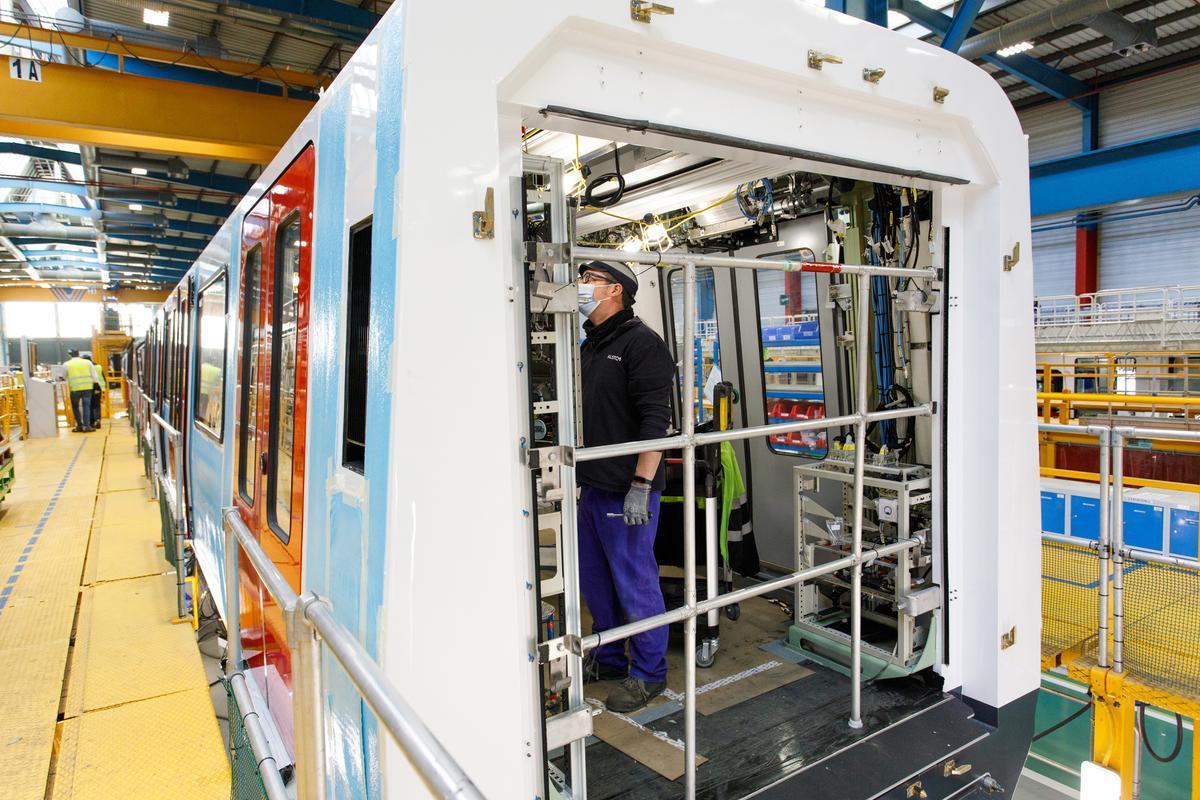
pixel 25 69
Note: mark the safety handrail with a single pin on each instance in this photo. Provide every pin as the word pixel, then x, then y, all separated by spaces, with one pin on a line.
pixel 174 439
pixel 1111 545
pixel 306 615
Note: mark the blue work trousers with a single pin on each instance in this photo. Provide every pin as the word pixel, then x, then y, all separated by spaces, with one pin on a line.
pixel 619 579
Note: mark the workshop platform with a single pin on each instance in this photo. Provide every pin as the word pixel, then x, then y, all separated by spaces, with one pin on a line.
pixel 103 695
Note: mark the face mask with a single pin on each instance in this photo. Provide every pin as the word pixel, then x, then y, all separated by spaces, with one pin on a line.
pixel 587 301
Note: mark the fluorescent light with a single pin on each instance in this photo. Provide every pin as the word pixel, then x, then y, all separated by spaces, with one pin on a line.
pixel 632 245
pixel 1013 49
pixel 159 17
pixel 138 171
pixel 135 206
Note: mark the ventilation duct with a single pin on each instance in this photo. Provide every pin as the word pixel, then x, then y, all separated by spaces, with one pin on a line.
pixel 1035 25
pixel 1127 37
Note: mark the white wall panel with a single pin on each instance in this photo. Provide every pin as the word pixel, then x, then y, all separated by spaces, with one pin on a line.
pixel 1153 251
pixel 1054 262
pixel 1144 109
pixel 1054 130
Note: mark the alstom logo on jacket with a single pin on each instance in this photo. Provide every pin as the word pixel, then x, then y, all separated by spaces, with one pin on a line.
pixel 628 374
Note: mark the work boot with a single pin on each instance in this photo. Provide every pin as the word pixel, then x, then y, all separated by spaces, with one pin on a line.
pixel 632 694
pixel 594 670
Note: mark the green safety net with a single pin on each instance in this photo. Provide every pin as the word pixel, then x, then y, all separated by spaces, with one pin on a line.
pixel 245 781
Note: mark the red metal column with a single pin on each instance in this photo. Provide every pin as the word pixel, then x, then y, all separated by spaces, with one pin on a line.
pixel 1087 259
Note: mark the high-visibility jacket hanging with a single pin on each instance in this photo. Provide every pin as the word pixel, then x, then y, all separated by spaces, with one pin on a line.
pixel 79 375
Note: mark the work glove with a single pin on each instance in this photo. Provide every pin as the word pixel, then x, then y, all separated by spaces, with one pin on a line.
pixel 637 505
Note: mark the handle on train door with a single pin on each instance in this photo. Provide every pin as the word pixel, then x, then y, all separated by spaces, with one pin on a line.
pixel 262 463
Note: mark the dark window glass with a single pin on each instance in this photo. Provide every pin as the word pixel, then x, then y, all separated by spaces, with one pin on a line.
pixel 705 351
pixel 283 365
pixel 248 407
pixel 358 316
pixel 210 358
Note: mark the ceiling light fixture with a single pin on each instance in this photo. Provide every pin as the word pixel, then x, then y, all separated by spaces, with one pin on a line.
pixel 632 245
pixel 138 170
pixel 1013 49
pixel 135 206
pixel 158 17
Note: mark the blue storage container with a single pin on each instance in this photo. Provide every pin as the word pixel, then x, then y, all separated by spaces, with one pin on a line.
pixel 1144 525
pixel 1054 512
pixel 1085 517
pixel 1184 525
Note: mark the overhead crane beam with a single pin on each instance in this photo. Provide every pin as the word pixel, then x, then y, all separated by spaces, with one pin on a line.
pixel 24 32
pixel 111 109
pixel 38 293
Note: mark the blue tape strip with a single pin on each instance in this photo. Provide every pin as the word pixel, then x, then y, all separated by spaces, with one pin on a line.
pixel 37 531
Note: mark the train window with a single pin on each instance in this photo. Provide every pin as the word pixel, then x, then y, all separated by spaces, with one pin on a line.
pixel 790 344
pixel 706 351
pixel 358 316
pixel 210 358
pixel 284 319
pixel 248 405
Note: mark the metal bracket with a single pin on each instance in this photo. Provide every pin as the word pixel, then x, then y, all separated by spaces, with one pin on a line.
pixel 915 300
pixel 483 223
pixel 563 646
pixel 546 297
pixel 549 460
pixel 1014 259
pixel 569 726
pixel 644 11
pixel 914 604
pixel 873 75
pixel 547 254
pixel 940 93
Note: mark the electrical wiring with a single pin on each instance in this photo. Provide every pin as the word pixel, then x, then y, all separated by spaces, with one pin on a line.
pixel 613 197
pixel 1146 740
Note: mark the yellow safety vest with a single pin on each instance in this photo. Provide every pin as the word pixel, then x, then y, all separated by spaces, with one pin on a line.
pixel 79 374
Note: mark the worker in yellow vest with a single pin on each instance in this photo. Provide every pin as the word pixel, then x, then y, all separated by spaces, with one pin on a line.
pixel 97 389
pixel 79 381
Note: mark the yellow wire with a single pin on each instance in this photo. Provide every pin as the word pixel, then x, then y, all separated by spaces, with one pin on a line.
pixel 682 218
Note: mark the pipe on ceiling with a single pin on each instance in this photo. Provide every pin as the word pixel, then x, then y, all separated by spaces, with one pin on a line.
pixel 1035 25
pixel 1127 37
pixel 42 231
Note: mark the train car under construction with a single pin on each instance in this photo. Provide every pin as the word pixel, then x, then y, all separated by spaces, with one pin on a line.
pixel 381 403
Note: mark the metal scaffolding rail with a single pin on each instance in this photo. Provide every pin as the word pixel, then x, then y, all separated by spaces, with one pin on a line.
pixel 688 440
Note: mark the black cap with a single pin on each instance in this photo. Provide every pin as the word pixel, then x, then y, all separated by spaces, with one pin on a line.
pixel 73 353
pixel 620 273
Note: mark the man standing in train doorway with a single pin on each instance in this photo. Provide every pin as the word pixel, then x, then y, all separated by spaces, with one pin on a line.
pixel 627 373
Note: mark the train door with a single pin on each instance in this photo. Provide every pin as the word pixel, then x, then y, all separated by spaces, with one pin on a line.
pixel 271 409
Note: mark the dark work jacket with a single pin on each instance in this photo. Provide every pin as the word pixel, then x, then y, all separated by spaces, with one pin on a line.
pixel 627 374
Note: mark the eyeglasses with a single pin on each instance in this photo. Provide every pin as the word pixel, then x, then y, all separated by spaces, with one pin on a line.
pixel 594 278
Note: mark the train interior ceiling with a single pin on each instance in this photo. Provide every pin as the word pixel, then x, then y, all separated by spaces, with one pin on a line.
pixel 772 346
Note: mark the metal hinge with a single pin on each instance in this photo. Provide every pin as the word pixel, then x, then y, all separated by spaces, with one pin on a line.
pixel 1014 259
pixel 483 223
pixel 644 11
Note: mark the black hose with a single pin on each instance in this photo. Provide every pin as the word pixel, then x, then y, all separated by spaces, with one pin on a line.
pixel 1146 739
pixel 1086 707
pixel 613 197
